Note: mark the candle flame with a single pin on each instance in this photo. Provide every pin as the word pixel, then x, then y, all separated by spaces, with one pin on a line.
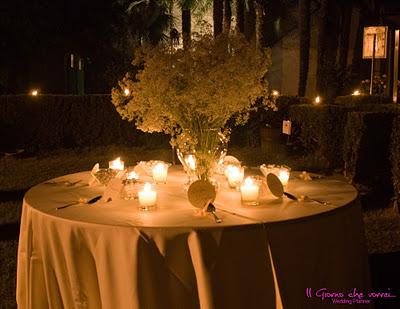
pixel 126 92
pixel 275 93
pixel 34 92
pixel 317 100
pixel 248 181
pixel 159 167
pixel 132 175
pixel 356 92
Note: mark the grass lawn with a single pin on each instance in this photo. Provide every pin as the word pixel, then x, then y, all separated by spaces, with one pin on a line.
pixel 19 174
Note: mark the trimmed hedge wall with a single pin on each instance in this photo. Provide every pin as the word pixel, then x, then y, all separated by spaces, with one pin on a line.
pixel 250 135
pixel 64 121
pixel 395 158
pixel 320 130
pixel 367 152
pixel 361 100
pixel 359 138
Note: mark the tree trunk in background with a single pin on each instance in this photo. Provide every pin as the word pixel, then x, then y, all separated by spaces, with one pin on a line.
pixel 249 20
pixel 240 16
pixel 322 49
pixel 304 28
pixel 218 8
pixel 186 27
pixel 344 46
pixel 227 16
pixel 259 10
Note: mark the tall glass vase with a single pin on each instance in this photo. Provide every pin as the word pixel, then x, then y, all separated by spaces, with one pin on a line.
pixel 201 152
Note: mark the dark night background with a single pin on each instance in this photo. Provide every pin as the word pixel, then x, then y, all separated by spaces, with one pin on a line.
pixel 36 37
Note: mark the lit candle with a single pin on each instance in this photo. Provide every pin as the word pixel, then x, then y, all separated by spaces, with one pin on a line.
pixel 235 175
pixel 126 92
pixel 250 191
pixel 160 172
pixel 356 92
pixel 129 185
pixel 117 164
pixel 34 92
pixel 275 93
pixel 283 175
pixel 147 197
pixel 132 176
pixel 317 100
pixel 191 162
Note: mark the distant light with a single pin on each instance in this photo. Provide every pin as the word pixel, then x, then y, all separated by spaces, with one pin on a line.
pixel 34 92
pixel 356 92
pixel 275 93
pixel 127 92
pixel 317 100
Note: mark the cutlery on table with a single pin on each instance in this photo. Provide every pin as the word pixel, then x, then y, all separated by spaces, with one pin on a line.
pixel 276 188
pixel 89 202
pixel 211 209
pixel 66 183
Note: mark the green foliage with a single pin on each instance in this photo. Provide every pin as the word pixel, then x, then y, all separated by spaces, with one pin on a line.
pixel 320 130
pixel 274 117
pixel 395 157
pixel 367 152
pixel 193 89
pixel 63 121
pixel 361 101
pixel 351 144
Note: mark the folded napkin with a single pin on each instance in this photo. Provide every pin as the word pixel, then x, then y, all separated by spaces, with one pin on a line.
pixel 93 180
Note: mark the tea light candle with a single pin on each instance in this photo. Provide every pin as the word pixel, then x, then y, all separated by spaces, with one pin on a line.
pixel 147 197
pixel 284 176
pixel 235 175
pixel 117 164
pixel 132 176
pixel 250 192
pixel 160 172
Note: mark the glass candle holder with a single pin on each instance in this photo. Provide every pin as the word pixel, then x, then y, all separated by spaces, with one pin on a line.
pixel 130 190
pixel 116 164
pixel 284 174
pixel 280 171
pixel 234 175
pixel 147 197
pixel 160 172
pixel 250 191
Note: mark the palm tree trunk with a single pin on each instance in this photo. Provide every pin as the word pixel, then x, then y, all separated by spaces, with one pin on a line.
pixel 259 10
pixel 250 20
pixel 227 16
pixel 322 49
pixel 240 15
pixel 344 45
pixel 218 8
pixel 304 28
pixel 186 27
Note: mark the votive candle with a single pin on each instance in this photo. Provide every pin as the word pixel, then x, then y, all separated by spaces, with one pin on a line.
pixel 147 197
pixel 160 172
pixel 116 164
pixel 250 191
pixel 235 175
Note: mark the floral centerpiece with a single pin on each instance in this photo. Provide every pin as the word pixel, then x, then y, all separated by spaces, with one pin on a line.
pixel 192 94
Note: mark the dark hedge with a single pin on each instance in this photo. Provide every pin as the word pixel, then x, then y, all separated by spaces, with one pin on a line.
pixel 320 130
pixel 357 100
pixel 395 158
pixel 367 151
pixel 65 121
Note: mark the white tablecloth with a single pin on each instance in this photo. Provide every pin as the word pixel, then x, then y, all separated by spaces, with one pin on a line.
pixel 112 255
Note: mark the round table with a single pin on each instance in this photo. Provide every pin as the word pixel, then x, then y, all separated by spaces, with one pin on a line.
pixel 114 255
